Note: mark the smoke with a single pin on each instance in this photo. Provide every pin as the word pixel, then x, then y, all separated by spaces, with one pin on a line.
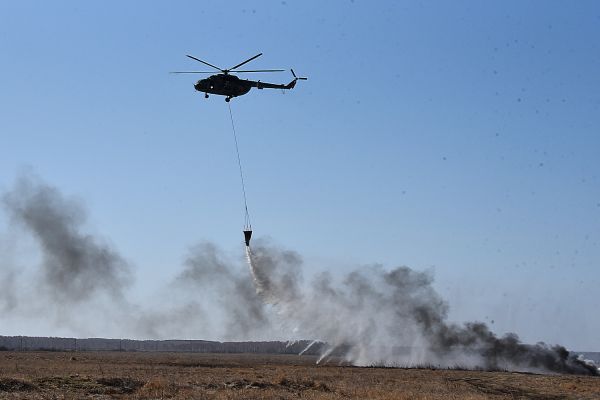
pixel 76 265
pixel 8 297
pixel 395 317
pixel 243 312
pixel 372 316
pixel 78 272
pixel 180 320
pixel 277 280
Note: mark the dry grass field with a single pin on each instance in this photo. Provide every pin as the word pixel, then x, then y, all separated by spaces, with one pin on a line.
pixel 114 375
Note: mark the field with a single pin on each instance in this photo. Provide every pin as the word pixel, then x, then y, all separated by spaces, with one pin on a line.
pixel 108 375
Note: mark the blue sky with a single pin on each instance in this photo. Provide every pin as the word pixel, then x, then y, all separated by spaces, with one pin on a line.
pixel 461 136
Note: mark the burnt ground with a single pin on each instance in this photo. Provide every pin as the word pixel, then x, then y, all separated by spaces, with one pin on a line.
pixel 124 375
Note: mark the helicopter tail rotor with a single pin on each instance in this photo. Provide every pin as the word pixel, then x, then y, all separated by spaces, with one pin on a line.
pixel 296 79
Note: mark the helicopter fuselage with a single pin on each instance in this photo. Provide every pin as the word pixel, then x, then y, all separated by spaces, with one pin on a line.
pixel 224 85
pixel 232 86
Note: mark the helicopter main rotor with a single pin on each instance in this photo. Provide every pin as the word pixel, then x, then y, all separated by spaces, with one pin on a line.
pixel 226 71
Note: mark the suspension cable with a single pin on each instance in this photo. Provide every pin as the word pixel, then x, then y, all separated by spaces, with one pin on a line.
pixel 237 151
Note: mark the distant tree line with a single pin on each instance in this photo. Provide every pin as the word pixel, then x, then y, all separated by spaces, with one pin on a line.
pixel 29 343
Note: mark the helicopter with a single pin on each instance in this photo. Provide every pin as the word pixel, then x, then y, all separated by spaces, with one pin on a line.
pixel 225 84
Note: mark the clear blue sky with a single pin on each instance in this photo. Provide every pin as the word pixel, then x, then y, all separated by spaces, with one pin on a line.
pixel 462 135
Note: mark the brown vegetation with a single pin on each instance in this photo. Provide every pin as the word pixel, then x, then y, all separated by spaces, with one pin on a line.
pixel 120 375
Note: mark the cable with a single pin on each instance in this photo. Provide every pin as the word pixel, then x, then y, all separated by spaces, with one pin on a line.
pixel 247 223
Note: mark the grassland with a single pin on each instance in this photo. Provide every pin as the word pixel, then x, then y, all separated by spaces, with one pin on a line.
pixel 116 375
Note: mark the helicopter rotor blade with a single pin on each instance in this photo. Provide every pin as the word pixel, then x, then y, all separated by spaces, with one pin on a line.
pixel 242 63
pixel 203 62
pixel 192 72
pixel 260 70
pixel 296 77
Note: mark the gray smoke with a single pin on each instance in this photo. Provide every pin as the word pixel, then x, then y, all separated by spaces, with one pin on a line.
pixel 78 272
pixel 279 276
pixel 207 270
pixel 76 265
pixel 395 317
pixel 373 316
pixel 8 297
pixel 184 320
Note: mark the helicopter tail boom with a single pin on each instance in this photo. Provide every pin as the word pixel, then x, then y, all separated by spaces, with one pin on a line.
pixel 263 85
pixel 266 85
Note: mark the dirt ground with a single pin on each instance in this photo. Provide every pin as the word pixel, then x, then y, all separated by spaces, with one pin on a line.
pixel 110 375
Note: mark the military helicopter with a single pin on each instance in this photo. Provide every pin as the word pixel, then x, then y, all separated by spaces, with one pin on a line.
pixel 231 86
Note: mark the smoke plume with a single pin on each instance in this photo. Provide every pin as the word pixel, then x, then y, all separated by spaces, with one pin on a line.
pixel 76 265
pixel 373 316
pixel 8 297
pixel 243 312
pixel 394 317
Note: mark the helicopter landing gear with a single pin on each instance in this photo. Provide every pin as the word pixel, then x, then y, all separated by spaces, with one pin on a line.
pixel 228 99
pixel 206 95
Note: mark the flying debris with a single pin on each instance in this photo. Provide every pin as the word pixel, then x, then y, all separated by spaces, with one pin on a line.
pixel 225 84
